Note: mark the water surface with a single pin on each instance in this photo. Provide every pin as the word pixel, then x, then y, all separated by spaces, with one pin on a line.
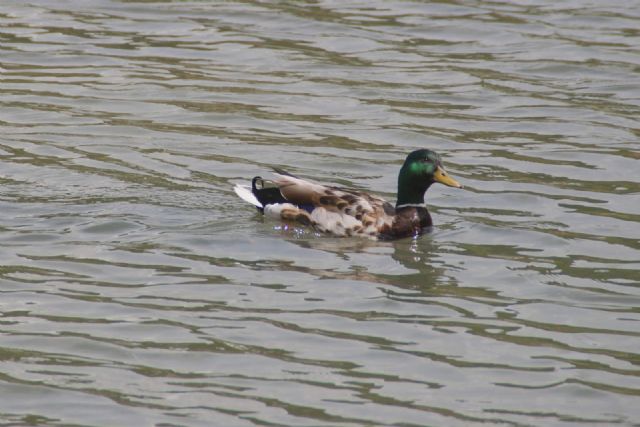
pixel 136 289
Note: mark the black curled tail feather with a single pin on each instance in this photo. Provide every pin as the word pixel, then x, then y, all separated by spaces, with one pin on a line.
pixel 266 195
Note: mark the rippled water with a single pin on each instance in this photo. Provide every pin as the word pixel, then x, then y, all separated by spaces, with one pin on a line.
pixel 136 289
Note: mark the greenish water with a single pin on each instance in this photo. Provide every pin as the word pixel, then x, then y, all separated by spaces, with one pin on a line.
pixel 137 289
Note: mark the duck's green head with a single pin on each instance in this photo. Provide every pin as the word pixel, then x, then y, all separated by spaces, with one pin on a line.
pixel 421 169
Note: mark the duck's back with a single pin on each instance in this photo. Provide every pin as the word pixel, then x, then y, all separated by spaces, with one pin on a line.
pixel 334 210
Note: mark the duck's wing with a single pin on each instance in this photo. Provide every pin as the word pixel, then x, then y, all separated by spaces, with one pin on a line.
pixel 302 192
pixel 337 210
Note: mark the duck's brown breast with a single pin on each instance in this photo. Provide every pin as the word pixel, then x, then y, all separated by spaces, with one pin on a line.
pixel 408 221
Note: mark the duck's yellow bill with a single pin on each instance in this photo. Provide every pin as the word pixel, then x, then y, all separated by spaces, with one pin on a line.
pixel 442 177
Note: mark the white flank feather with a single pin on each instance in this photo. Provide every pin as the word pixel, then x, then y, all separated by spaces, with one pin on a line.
pixel 275 210
pixel 334 222
pixel 245 194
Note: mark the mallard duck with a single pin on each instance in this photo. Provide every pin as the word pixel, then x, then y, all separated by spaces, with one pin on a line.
pixel 344 212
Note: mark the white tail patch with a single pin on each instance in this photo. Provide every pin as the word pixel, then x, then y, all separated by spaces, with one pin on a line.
pixel 245 194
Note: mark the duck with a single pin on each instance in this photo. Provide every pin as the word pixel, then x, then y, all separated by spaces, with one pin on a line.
pixel 344 212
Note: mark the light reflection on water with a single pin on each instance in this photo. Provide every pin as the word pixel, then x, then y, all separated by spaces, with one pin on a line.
pixel 138 290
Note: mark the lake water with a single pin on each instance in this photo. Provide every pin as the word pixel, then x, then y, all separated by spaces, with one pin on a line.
pixel 136 289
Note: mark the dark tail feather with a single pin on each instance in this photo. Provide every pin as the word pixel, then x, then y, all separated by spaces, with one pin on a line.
pixel 266 196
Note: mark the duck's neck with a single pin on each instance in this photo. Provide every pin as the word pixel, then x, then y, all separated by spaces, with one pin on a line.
pixel 410 193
